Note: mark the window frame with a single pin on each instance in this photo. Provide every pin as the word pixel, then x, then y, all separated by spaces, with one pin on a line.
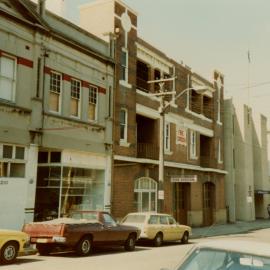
pixel 125 124
pixel 76 98
pixel 220 160
pixel 14 80
pixel 124 65
pixel 91 102
pixel 56 92
pixel 193 146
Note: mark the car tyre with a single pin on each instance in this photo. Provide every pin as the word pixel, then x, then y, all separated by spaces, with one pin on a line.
pixel 184 238
pixel 158 240
pixel 9 252
pixel 130 243
pixel 84 247
pixel 44 250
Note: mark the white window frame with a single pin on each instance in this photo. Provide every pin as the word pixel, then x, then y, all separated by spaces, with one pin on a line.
pixel 96 102
pixel 53 91
pixel 124 80
pixel 218 101
pixel 220 160
pixel 13 90
pixel 150 190
pixel 167 135
pixel 124 124
pixel 193 144
pixel 77 98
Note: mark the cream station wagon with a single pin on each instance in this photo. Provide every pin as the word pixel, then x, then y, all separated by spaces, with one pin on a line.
pixel 158 227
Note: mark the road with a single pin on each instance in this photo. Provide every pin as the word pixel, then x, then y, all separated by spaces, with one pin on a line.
pixel 144 258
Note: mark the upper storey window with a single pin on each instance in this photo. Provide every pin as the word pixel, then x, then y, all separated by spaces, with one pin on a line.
pixel 124 65
pixel 7 77
pixel 93 101
pixel 55 91
pixel 75 97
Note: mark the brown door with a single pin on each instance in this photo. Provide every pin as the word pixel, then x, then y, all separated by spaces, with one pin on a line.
pixel 182 197
pixel 208 203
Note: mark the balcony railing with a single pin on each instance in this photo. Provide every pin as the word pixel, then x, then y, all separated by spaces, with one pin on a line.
pixel 147 150
pixel 206 161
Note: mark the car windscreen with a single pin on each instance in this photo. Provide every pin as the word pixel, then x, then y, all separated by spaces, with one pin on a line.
pixel 211 259
pixel 84 215
pixel 134 219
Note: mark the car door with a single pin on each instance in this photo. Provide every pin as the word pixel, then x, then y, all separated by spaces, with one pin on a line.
pixel 164 226
pixel 153 226
pixel 173 229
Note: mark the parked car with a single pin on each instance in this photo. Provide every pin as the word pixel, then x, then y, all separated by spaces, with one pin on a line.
pixel 80 232
pixel 227 255
pixel 158 227
pixel 12 243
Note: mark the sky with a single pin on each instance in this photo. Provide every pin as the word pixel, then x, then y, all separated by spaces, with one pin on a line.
pixel 208 35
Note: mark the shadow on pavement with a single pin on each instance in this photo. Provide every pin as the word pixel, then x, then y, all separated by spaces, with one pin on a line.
pixel 25 259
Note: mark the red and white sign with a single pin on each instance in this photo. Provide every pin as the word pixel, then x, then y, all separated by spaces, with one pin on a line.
pixel 181 136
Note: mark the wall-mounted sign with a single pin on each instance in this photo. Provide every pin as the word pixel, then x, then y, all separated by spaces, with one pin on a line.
pixel 161 194
pixel 184 178
pixel 181 136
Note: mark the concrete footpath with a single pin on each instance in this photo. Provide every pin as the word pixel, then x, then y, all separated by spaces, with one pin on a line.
pixel 230 228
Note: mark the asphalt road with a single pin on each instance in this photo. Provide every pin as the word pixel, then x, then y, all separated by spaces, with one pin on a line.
pixel 144 258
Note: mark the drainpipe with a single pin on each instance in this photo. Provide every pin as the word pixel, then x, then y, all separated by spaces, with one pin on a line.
pixel 41 7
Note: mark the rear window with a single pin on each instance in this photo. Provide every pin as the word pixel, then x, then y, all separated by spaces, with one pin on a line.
pixel 88 216
pixel 134 219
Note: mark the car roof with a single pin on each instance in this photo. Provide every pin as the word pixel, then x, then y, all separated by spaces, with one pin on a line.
pixel 148 213
pixel 242 246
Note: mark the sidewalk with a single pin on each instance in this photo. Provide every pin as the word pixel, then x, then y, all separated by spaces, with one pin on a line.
pixel 232 228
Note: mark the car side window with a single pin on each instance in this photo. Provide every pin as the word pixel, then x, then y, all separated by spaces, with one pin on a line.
pixel 171 221
pixel 108 220
pixel 163 220
pixel 153 219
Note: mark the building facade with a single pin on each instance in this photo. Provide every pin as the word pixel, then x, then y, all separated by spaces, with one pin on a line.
pixel 193 187
pixel 247 182
pixel 56 88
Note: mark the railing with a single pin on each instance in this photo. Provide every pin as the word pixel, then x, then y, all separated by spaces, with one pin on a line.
pixel 206 161
pixel 147 150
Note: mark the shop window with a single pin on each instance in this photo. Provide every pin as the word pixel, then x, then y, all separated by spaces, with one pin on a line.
pixel 55 92
pixel 75 97
pixel 49 157
pixel 3 169
pixel 92 103
pixel 123 125
pixel 17 170
pixel 145 194
pixel 43 157
pixel 7 77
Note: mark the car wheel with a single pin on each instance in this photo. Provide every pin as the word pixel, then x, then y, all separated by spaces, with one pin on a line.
pixel 44 249
pixel 9 252
pixel 130 243
pixel 84 247
pixel 184 238
pixel 158 240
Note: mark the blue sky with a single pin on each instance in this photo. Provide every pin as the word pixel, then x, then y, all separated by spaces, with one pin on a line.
pixel 208 35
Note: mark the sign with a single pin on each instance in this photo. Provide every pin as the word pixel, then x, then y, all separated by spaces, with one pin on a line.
pixel 161 194
pixel 184 179
pixel 181 136
pixel 249 199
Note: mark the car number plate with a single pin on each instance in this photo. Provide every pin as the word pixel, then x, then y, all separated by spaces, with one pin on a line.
pixel 41 240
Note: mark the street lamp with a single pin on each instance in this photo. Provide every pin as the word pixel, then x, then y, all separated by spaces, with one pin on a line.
pixel 162 109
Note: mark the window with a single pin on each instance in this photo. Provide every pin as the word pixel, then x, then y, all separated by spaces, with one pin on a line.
pixel 145 194
pixel 154 219
pixel 219 152
pixel 75 97
pixel 93 99
pixel 123 125
pixel 49 157
pixel 218 103
pixel 108 220
pixel 55 92
pixel 124 65
pixel 192 144
pixel 12 163
pixel 7 77
pixel 167 137
pixel 171 221
pixel 163 220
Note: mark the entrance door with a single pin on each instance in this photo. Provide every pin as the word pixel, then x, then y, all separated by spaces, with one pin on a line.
pixel 182 197
pixel 208 203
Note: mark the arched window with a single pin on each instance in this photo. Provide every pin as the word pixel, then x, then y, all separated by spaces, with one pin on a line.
pixel 146 194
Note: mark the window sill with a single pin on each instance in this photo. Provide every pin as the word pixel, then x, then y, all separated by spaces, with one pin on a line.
pixel 193 158
pixel 220 161
pixel 124 144
pixel 219 123
pixel 168 152
pixel 125 84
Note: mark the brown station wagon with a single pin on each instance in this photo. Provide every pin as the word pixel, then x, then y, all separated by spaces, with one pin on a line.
pixel 80 232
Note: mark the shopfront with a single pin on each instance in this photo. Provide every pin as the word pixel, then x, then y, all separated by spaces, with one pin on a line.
pixel 63 187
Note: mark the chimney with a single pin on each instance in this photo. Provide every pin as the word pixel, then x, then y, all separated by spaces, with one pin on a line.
pixel 41 7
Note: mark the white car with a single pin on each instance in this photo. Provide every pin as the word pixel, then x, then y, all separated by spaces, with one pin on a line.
pixel 158 227
pixel 227 255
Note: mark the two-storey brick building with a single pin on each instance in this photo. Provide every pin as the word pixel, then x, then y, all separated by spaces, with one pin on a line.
pixel 56 84
pixel 193 141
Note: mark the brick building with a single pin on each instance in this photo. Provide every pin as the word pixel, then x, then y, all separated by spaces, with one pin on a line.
pixel 193 140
